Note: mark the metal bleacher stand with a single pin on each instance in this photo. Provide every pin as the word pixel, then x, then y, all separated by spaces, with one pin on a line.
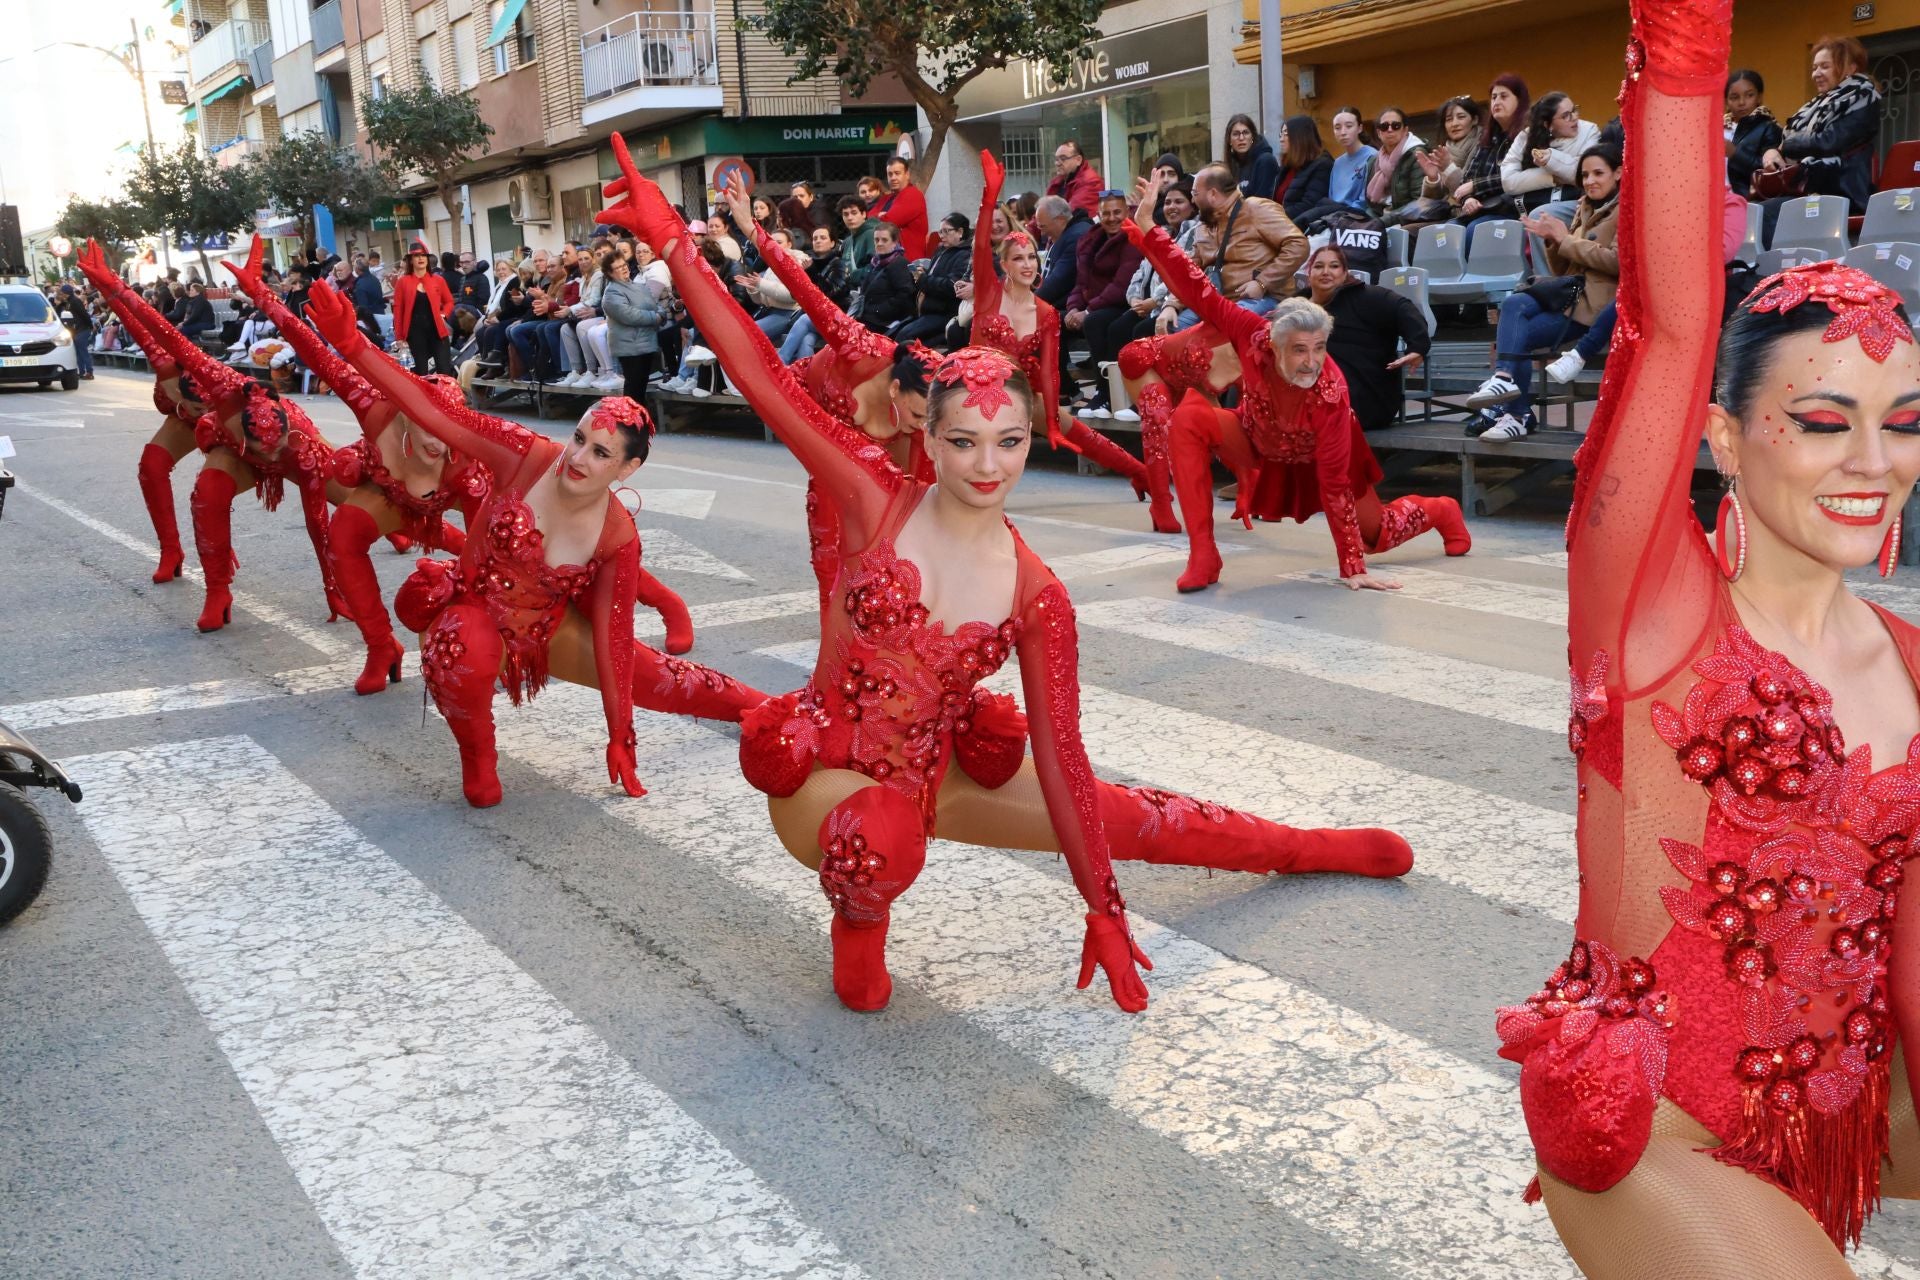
pixel 1812 222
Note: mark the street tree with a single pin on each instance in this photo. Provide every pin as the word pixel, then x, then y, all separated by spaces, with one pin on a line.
pixel 302 170
pixel 936 47
pixel 429 136
pixel 114 223
pixel 185 194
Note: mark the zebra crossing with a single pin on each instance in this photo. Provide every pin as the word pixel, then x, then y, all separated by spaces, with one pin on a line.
pixel 446 1114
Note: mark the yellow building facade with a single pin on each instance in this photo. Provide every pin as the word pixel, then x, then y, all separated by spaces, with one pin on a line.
pixel 1415 54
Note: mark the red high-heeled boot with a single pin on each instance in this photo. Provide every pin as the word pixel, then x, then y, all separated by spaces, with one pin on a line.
pixel 350 540
pixel 682 688
pixel 1191 440
pixel 656 595
pixel 212 509
pixel 1155 405
pixel 873 846
pixel 1407 518
pixel 156 489
pixel 1145 824
pixel 1103 452
pixel 460 660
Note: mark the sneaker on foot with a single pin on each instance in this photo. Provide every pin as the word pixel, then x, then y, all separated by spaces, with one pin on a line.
pixel 1508 427
pixel 1497 389
pixel 699 392
pixel 1567 367
pixel 1126 415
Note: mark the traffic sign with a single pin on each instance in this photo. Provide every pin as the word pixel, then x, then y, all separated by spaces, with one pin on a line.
pixel 61 246
pixel 723 173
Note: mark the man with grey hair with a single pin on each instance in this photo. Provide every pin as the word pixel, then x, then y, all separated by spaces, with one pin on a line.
pixel 1064 227
pixel 1293 441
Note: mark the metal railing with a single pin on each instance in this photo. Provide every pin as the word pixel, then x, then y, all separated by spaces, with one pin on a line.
pixel 227 43
pixel 327 29
pixel 665 47
pixel 235 150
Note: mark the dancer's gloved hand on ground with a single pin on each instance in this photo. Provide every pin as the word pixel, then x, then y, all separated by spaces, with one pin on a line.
pixel 1110 946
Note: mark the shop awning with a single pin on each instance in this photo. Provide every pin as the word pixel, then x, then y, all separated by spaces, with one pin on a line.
pixel 189 113
pixel 223 90
pixel 508 16
pixel 175 6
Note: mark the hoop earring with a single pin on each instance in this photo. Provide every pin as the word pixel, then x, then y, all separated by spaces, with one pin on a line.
pixel 406 444
pixel 1890 549
pixel 1731 520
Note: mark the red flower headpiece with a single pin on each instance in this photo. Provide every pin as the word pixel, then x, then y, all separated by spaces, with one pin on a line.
pixel 985 371
pixel 1862 307
pixel 1016 237
pixel 265 416
pixel 924 355
pixel 611 413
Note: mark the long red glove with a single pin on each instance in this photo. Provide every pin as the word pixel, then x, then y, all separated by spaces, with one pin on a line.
pixel 1112 948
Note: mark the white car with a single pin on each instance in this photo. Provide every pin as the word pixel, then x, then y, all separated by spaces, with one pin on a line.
pixel 34 345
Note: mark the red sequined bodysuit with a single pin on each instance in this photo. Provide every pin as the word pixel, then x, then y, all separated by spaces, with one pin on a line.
pixel 1727 832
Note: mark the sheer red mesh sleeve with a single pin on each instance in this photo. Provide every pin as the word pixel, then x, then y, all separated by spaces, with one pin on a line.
pixel 986 280
pixel 615 587
pixel 1640 578
pixel 857 479
pixel 218 381
pixel 500 446
pixel 853 342
pixel 1047 332
pixel 1049 649
pixel 161 361
pixel 1190 284
pixel 353 390
pixel 1333 468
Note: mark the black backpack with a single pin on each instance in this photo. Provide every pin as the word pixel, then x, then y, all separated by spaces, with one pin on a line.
pixel 1362 238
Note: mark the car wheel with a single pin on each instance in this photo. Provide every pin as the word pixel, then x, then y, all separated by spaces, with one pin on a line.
pixel 70 381
pixel 26 852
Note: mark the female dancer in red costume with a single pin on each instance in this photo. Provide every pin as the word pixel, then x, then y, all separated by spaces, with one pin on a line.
pixel 399 479
pixel 252 440
pixel 1293 429
pixel 856 764
pixel 548 534
pixel 1720 1107
pixel 1009 317
pixel 177 397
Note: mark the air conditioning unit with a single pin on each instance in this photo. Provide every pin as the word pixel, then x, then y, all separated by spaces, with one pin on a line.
pixel 531 197
pixel 669 59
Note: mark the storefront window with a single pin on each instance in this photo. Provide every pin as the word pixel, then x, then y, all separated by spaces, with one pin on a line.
pixel 1167 115
pixel 1027 137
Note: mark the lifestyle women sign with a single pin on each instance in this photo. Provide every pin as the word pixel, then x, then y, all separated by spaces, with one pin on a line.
pixel 1111 65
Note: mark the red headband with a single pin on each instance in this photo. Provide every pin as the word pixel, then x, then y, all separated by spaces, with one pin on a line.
pixel 1862 307
pixel 985 373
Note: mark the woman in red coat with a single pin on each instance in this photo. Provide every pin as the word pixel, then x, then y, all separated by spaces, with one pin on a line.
pixel 905 207
pixel 422 305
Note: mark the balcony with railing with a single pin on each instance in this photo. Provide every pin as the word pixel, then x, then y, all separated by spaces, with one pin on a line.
pixel 223 50
pixel 235 150
pixel 659 60
pixel 327 29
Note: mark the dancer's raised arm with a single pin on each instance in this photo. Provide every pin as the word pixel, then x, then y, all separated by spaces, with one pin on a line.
pixel 498 445
pixel 217 381
pixel 1190 285
pixel 858 478
pixel 352 389
pixel 611 611
pixel 986 274
pixel 847 337
pixel 1638 572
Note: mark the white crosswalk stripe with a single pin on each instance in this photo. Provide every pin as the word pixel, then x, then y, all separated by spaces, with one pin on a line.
pixel 423 1088
pixel 1399 1150
pixel 693 504
pixel 1515 697
pixel 1521 600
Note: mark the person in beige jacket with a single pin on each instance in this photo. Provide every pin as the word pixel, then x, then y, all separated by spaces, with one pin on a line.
pixel 1248 246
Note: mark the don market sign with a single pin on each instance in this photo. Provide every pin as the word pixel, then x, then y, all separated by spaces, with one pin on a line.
pixel 1110 65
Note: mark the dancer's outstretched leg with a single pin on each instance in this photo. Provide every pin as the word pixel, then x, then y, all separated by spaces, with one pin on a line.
pixel 1103 452
pixel 212 509
pixel 460 660
pixel 1385 526
pixel 1201 429
pixel 872 848
pixel 1155 404
pixel 662 683
pixel 1144 824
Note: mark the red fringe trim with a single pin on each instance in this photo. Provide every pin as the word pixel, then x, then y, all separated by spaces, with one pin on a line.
pixel 1829 1163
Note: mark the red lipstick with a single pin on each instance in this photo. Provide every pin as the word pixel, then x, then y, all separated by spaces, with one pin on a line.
pixel 1858 521
pixel 985 487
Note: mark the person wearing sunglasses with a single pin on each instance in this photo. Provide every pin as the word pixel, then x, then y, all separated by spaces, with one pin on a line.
pixel 1393 192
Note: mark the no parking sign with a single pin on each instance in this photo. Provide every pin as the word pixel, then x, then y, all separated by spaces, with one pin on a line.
pixel 724 171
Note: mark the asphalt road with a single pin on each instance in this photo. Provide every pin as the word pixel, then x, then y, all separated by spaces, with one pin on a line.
pixel 290 1008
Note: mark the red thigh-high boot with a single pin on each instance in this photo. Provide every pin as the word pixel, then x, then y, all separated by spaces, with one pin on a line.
pixel 1191 440
pixel 1407 518
pixel 350 540
pixel 873 847
pixel 212 509
pixel 460 660
pixel 1155 403
pixel 156 488
pixel 1103 452
pixel 683 688
pixel 662 599
pixel 1145 824
pixel 450 538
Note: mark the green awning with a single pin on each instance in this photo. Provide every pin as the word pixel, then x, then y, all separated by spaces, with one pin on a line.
pixel 175 6
pixel 223 90
pixel 508 16
pixel 189 113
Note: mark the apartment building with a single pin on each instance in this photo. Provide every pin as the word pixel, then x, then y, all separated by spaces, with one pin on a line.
pixel 687 87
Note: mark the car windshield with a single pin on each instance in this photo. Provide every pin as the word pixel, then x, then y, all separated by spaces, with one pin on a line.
pixel 22 308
